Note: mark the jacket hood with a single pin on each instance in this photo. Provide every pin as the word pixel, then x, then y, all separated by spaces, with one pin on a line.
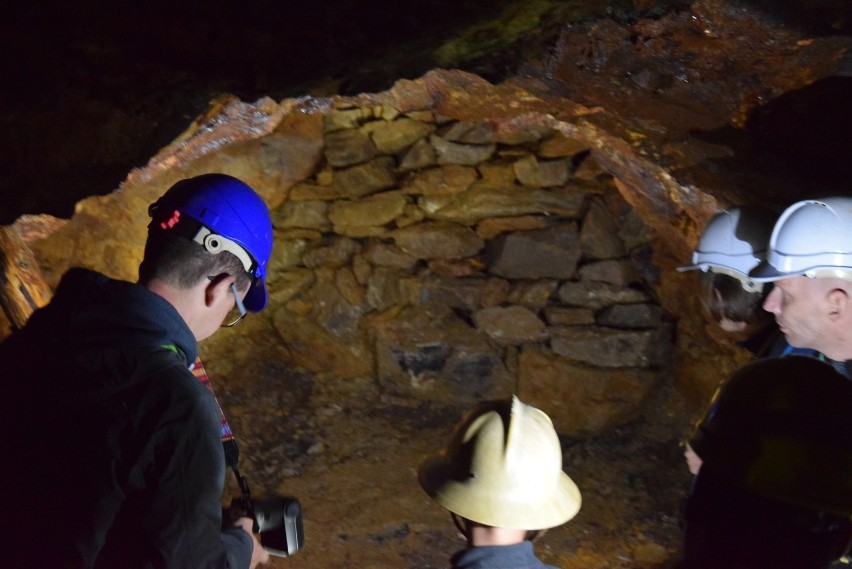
pixel 90 311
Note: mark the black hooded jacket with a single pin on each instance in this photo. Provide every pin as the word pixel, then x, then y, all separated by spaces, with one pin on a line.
pixel 109 446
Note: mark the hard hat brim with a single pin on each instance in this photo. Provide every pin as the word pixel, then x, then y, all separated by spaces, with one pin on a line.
pixel 469 501
pixel 255 299
pixel 688 268
pixel 764 273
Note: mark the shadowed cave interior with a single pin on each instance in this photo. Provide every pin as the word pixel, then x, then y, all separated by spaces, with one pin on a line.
pixel 620 96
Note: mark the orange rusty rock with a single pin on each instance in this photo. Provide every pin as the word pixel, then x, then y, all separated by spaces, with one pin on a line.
pixel 22 286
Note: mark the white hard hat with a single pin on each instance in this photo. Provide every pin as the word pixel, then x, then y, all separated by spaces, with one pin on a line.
pixel 733 243
pixel 812 238
pixel 503 467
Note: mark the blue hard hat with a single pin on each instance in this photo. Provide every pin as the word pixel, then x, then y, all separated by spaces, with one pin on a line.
pixel 232 217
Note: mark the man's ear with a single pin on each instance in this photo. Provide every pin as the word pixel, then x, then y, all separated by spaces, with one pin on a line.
pixel 217 287
pixel 838 303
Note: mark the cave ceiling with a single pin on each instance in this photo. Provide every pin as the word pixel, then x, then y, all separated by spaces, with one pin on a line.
pixel 745 100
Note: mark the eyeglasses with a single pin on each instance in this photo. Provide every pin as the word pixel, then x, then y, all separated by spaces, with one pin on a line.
pixel 238 312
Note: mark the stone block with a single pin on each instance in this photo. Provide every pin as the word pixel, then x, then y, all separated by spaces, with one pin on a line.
pixel 448 152
pixel 431 353
pixel 438 240
pixel 631 316
pixel 561 146
pixel 308 214
pixel 461 293
pixel 599 235
pixel 442 180
pixel 331 251
pixel 510 325
pixel 470 132
pixel 563 316
pixel 365 179
pixel 388 255
pixel 348 147
pixel 377 209
pixel 383 289
pixel 582 401
pixel 542 173
pixel 481 202
pixel 316 349
pixel 420 155
pixel 344 118
pixel 492 227
pixel 533 294
pixel 609 347
pixel 550 253
pixel 597 295
pixel 618 272
pixel 391 137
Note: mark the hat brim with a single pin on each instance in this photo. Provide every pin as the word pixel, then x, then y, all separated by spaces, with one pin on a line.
pixel 764 273
pixel 688 268
pixel 480 503
pixel 255 299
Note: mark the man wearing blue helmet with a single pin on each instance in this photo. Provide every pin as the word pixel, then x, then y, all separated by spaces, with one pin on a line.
pixel 111 447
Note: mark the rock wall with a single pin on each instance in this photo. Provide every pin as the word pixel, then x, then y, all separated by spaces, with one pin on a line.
pixel 450 261
pixel 449 239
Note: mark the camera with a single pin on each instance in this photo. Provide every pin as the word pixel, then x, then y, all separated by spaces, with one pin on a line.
pixel 277 520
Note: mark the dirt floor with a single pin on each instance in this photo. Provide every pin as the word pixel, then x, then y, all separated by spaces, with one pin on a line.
pixel 350 455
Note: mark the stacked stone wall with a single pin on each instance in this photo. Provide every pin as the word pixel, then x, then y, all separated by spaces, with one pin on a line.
pixel 451 260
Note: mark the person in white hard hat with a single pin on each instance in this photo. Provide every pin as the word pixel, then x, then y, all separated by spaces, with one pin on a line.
pixel 733 243
pixel 500 476
pixel 809 261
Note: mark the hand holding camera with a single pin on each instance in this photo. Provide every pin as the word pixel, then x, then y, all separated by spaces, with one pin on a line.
pixel 259 556
pixel 277 520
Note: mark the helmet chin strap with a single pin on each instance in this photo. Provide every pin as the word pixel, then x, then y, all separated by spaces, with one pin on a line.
pixel 216 244
pixel 460 525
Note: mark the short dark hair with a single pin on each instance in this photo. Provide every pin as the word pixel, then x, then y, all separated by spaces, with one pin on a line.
pixel 182 262
pixel 726 299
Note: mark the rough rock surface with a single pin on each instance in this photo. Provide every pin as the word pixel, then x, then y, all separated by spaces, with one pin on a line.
pixel 658 106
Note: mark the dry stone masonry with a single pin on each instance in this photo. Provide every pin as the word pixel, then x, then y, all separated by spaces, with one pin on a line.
pixel 449 259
